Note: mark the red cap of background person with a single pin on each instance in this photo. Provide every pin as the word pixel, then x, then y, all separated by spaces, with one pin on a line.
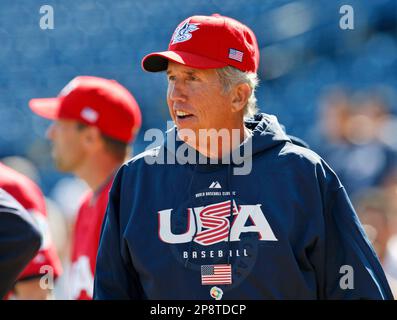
pixel 99 102
pixel 206 42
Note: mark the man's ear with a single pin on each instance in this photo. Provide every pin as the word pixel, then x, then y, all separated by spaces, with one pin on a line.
pixel 91 137
pixel 241 94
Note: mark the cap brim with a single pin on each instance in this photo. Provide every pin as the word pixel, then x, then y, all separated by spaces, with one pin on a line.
pixel 158 61
pixel 46 107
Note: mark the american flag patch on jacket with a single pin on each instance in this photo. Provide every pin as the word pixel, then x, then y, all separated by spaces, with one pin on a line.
pixel 216 274
pixel 236 55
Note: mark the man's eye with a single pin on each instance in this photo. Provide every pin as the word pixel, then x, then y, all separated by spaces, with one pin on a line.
pixel 171 78
pixel 192 78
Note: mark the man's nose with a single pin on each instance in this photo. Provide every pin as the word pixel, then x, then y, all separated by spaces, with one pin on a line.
pixel 176 91
pixel 50 131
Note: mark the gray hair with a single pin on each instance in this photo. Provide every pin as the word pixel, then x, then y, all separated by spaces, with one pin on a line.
pixel 230 76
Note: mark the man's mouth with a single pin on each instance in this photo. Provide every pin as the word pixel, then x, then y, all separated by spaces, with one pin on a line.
pixel 182 114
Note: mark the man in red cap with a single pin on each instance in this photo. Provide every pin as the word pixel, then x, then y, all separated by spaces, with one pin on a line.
pixel 94 121
pixel 285 229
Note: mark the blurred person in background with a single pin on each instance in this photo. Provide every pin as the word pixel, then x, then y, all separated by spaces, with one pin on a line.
pixel 389 187
pixel 58 225
pixel 375 213
pixel 333 115
pixel 28 194
pixel 20 240
pixel 95 119
pixel 351 124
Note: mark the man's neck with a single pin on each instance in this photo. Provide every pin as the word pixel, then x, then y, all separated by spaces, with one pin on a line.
pixel 97 173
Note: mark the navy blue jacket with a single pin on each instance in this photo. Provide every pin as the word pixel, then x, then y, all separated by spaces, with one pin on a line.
pixel 287 230
pixel 20 240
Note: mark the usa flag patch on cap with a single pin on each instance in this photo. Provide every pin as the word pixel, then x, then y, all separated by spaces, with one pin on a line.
pixel 236 55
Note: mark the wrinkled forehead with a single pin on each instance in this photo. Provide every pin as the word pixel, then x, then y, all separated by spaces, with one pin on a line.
pixel 174 68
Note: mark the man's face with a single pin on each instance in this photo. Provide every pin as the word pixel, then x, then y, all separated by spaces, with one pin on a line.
pixel 67 147
pixel 196 100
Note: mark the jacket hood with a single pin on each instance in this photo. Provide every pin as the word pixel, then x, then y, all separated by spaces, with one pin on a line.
pixel 267 132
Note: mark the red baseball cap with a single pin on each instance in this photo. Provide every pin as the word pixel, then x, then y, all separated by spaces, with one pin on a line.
pixel 99 102
pixel 206 42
